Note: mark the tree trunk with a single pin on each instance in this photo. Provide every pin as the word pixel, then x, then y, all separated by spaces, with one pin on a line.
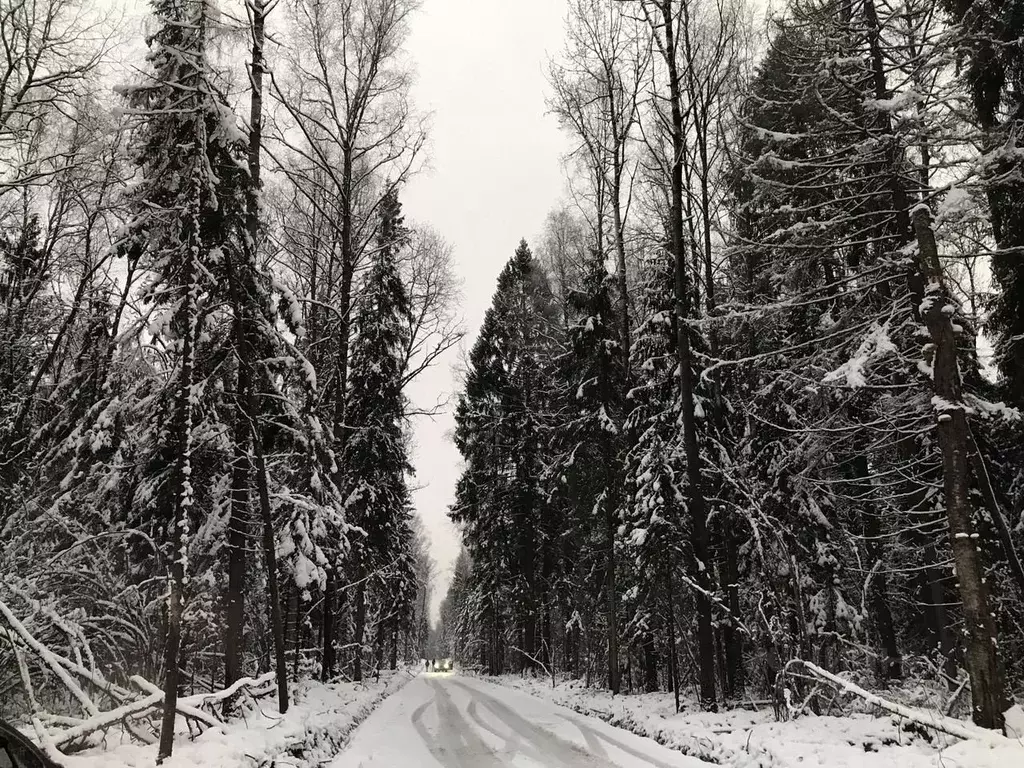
pixel 296 612
pixel 393 651
pixel 936 615
pixel 327 626
pixel 878 581
pixel 529 617
pixel 180 505
pixel 982 659
pixel 732 637
pixel 378 645
pixel 695 489
pixel 238 525
pixel 670 627
pixel 359 629
pixel 484 646
pixel 612 596
pixel 612 600
pixel 339 431
pixel 172 647
pixel 576 642
pixel 243 291
pixel 650 662
pixel 620 271
pixel 545 635
pixel 270 564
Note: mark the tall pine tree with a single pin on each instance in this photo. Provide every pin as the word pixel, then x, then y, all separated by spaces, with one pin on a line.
pixel 376 454
pixel 189 209
pixel 499 424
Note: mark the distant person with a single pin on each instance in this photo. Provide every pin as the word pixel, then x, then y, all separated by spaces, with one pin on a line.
pixel 426 665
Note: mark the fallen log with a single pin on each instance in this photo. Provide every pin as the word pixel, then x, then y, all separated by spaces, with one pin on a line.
pixel 933 720
pixel 183 707
pixel 48 657
pixel 56 731
pixel 105 720
pixel 218 696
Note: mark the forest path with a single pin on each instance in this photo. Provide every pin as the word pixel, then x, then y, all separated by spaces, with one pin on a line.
pixel 461 722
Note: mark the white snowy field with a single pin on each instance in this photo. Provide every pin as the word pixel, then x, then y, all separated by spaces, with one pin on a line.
pixel 744 738
pixel 314 729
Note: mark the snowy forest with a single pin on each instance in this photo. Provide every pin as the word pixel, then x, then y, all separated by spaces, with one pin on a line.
pixel 211 306
pixel 742 418
pixel 748 405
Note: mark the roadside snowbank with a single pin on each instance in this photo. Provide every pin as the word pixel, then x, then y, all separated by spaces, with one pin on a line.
pixel 314 729
pixel 753 739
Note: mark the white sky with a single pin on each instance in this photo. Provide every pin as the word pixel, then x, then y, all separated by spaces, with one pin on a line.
pixel 496 160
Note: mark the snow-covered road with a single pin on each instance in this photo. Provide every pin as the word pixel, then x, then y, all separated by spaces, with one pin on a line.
pixel 459 722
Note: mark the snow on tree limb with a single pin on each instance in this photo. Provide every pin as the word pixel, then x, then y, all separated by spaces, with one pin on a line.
pixel 934 720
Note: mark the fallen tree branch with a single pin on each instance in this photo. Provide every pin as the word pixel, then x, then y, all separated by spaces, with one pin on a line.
pixel 934 720
pixel 113 690
pixel 47 655
pixel 45 742
pixel 187 706
pixel 217 696
pixel 956 695
pixel 182 705
pixel 107 719
pixel 128 708
pixel 537 661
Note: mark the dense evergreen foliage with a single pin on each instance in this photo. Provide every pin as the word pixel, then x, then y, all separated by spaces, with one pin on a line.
pixel 848 435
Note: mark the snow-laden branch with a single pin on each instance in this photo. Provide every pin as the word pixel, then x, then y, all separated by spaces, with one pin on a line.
pixel 55 731
pixel 934 720
pixel 104 720
pixel 47 656
pixel 182 705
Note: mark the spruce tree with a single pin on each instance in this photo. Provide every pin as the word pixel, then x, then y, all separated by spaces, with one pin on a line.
pixel 994 77
pixel 837 171
pixel 376 455
pixel 189 209
pixel 653 534
pixel 593 434
pixel 499 423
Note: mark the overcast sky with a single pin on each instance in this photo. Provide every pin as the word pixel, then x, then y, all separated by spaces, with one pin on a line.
pixel 496 172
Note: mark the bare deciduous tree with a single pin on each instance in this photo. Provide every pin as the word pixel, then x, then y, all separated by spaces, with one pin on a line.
pixel 435 325
pixel 347 136
pixel 597 85
pixel 50 48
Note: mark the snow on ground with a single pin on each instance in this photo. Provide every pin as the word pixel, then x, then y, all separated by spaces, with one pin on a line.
pixel 454 721
pixel 444 720
pixel 753 739
pixel 314 729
